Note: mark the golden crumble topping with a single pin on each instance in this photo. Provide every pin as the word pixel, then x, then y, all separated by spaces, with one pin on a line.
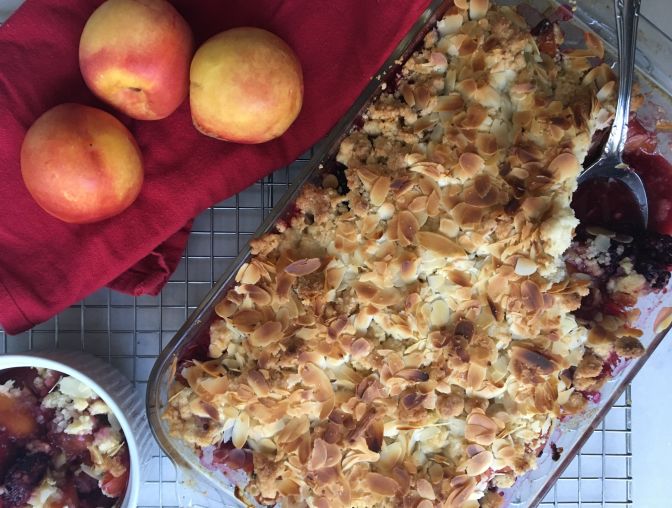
pixel 411 343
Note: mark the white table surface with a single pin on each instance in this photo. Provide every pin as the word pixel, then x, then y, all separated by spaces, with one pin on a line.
pixel 652 389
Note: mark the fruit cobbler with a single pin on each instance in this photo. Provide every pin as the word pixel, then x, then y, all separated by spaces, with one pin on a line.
pixel 411 332
pixel 60 444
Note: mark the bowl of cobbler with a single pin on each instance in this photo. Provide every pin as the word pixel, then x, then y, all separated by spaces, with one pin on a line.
pixel 71 433
pixel 436 302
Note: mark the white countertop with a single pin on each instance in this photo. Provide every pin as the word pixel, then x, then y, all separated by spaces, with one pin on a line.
pixel 652 388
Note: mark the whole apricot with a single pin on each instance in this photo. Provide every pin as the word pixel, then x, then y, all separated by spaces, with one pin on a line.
pixel 81 164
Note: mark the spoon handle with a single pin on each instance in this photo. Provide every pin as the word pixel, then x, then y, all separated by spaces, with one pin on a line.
pixel 627 17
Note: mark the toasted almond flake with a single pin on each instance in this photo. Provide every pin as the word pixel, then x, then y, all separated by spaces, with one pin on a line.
pixel 535 207
pixel 407 93
pixel 248 274
pixel 258 295
pixel 440 244
pixel 379 190
pixel 471 163
pixel 447 103
pixel 482 185
pixel 532 361
pixel 480 429
pixel 478 8
pixel 597 231
pixel 266 334
pixel 241 429
pixel 564 166
pixel 623 238
pixel 215 386
pixel 607 91
pixel 425 489
pixel 258 383
pixel 315 377
pixel 473 198
pixel 318 456
pixel 422 96
pixel 476 114
pixel 450 24
pixel 663 319
pixel 303 267
pixel 407 227
pixel 525 267
pixel 423 123
pixel 425 503
pixel 594 43
pixel 475 376
pixel 462 4
pixel 531 295
pixel 225 308
pixel 480 463
pixel 295 428
pixel 381 485
pixel 365 290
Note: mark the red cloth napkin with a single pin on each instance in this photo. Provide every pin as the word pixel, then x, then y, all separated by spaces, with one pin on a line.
pixel 46 265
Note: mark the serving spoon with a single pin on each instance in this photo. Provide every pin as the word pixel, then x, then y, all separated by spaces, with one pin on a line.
pixel 610 163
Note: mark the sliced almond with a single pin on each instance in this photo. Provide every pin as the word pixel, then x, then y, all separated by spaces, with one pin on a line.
pixel 266 334
pixel 440 244
pixel 425 489
pixel 471 163
pixel 475 376
pixel 480 429
pixel 594 43
pixel 564 166
pixel 258 295
pixel 225 308
pixel 407 227
pixel 663 319
pixel 450 24
pixel 407 94
pixel 479 463
pixel 448 103
pixel 241 429
pixel 258 383
pixel 478 8
pixel 525 267
pixel 532 298
pixel 303 267
pixel 379 190
pixel 381 485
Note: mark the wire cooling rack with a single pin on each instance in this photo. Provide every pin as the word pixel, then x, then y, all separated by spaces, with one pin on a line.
pixel 130 331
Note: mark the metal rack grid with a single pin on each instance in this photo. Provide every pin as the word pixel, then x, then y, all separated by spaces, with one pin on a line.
pixel 130 331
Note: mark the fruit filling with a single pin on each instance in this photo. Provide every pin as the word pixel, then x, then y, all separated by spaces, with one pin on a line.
pixel 60 444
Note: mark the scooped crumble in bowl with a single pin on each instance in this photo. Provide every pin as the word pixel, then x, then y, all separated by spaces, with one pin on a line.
pixel 409 336
pixel 60 444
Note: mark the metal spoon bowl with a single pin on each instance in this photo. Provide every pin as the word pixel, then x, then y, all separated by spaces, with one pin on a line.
pixel 610 163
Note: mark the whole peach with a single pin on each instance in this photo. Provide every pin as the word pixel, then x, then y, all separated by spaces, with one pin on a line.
pixel 81 164
pixel 246 86
pixel 135 54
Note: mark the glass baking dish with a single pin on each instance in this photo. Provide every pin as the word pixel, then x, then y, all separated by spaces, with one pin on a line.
pixel 654 70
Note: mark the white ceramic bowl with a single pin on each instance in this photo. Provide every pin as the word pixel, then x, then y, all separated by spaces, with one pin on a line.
pixel 115 390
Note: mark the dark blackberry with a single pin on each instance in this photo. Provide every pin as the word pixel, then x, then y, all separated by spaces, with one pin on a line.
pixel 655 274
pixel 542 28
pixel 22 478
pixel 656 247
pixel 339 171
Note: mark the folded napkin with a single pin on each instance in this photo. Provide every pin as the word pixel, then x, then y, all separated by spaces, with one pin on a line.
pixel 45 264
